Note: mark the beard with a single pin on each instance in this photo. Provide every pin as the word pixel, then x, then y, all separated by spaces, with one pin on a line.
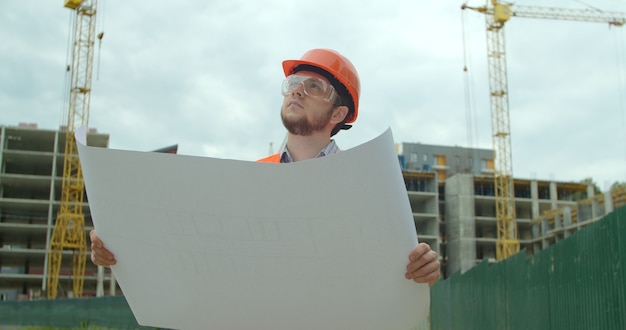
pixel 303 126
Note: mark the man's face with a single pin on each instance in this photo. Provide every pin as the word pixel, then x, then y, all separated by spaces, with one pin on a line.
pixel 303 114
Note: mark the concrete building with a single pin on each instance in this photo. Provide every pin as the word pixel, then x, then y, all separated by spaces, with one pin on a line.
pixel 31 169
pixel 445 161
pixel 423 192
pixel 559 223
pixel 463 228
pixel 470 215
pixel 450 190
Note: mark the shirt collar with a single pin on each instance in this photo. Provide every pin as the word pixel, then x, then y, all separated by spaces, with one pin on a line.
pixel 330 149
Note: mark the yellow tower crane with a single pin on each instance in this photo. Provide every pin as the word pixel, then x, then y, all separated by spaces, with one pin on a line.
pixel 496 15
pixel 69 228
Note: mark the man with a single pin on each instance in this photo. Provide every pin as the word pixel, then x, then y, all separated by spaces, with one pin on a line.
pixel 321 97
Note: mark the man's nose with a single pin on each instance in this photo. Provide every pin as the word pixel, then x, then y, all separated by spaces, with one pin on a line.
pixel 298 89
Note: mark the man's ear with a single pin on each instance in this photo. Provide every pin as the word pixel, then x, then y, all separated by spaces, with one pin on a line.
pixel 339 114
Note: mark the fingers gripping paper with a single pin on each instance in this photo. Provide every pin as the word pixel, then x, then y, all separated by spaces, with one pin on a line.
pixel 205 243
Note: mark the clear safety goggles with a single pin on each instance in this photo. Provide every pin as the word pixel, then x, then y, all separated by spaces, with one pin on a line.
pixel 312 86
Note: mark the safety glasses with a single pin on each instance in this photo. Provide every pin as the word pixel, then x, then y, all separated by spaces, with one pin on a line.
pixel 312 86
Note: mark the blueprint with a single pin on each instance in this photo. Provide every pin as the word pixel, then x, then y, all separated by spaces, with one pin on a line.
pixel 207 243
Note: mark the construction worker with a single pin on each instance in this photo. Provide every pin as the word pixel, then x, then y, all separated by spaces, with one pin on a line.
pixel 321 97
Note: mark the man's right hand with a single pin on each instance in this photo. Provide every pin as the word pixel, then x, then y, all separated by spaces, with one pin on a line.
pixel 99 254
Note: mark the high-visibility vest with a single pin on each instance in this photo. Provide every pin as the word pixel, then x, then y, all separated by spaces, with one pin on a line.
pixel 275 158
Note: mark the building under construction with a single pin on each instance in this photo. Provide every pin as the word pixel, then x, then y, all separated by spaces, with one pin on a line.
pixel 30 193
pixel 450 190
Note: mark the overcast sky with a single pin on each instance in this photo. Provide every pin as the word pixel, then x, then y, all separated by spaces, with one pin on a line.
pixel 206 75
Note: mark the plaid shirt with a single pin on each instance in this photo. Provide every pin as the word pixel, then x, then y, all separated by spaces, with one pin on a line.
pixel 330 149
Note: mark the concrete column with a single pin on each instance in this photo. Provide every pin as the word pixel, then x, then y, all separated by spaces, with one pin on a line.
pixel 608 202
pixel 554 196
pixel 113 285
pixel 534 199
pixel 100 282
pixel 460 220
pixel 567 221
pixel 590 191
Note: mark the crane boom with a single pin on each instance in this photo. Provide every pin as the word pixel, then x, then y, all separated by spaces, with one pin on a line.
pixel 496 15
pixel 502 12
pixel 69 228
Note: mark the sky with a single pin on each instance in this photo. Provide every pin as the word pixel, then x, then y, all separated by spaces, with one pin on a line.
pixel 206 75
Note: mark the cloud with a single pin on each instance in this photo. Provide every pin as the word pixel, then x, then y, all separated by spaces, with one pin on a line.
pixel 206 76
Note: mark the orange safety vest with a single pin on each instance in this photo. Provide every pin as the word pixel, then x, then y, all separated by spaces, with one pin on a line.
pixel 275 158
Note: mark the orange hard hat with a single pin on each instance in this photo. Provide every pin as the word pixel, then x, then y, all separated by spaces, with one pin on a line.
pixel 335 64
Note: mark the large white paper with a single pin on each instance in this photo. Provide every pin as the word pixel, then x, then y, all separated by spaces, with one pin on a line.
pixel 205 243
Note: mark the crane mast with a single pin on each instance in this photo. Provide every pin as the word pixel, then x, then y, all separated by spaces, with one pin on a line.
pixel 508 241
pixel 496 15
pixel 69 229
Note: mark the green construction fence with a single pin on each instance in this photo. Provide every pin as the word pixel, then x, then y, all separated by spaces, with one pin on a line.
pixel 577 283
pixel 82 313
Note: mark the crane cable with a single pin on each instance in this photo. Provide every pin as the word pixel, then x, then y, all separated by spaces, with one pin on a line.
pixel 100 36
pixel 469 98
pixel 621 72
pixel 68 73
